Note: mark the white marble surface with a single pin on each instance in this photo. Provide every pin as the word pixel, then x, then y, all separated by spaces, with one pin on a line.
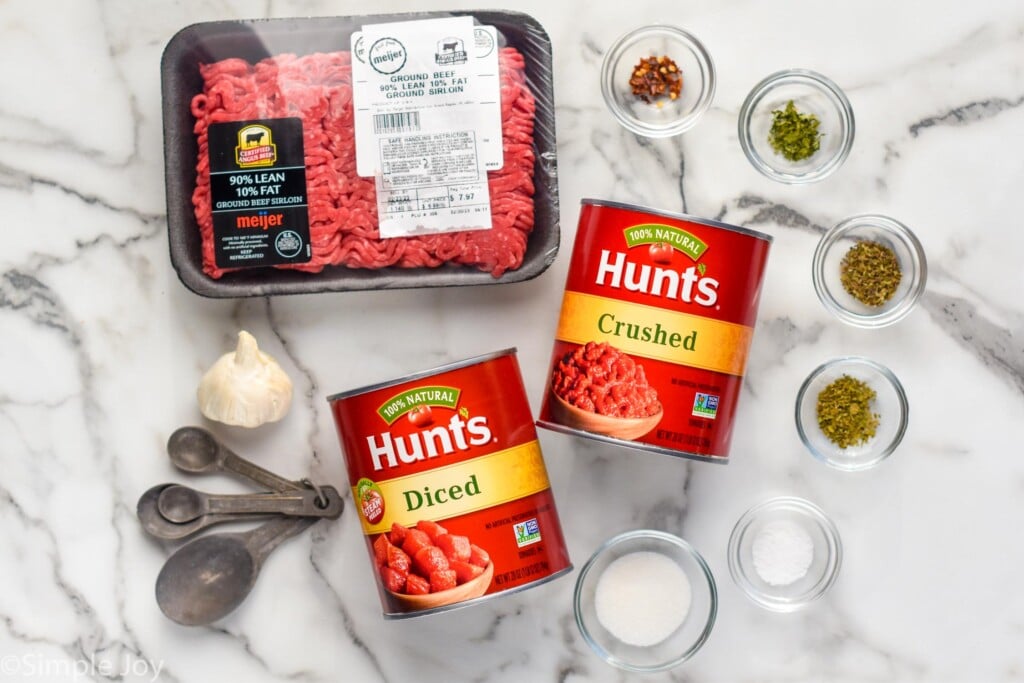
pixel 102 348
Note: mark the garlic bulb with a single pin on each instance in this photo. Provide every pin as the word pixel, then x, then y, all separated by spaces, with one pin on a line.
pixel 245 388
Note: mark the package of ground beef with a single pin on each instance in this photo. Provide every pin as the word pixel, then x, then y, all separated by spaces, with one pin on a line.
pixel 334 154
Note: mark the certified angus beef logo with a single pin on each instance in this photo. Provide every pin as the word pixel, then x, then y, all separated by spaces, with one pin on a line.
pixel 387 56
pixel 450 51
pixel 255 147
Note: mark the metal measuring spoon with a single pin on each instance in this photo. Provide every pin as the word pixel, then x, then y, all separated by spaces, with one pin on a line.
pixel 211 576
pixel 155 524
pixel 181 504
pixel 196 450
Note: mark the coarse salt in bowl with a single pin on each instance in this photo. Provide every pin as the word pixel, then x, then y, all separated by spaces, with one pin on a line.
pixel 654 623
pixel 784 553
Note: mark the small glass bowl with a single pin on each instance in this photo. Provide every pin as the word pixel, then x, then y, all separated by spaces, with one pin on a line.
pixel 824 567
pixel 890 404
pixel 826 269
pixel 811 93
pixel 662 117
pixel 679 646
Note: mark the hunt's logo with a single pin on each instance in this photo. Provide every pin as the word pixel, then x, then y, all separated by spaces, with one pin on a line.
pixel 416 404
pixel 666 278
pixel 663 240
pixel 432 436
pixel 256 147
pixel 450 51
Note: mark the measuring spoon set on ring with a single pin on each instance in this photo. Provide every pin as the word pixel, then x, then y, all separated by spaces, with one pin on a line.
pixel 185 591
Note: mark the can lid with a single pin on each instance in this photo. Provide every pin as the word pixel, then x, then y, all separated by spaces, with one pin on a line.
pixel 679 216
pixel 424 373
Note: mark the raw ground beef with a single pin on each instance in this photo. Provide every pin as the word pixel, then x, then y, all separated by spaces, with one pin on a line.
pixel 342 205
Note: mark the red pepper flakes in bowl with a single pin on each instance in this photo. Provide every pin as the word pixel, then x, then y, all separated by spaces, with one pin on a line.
pixel 656 77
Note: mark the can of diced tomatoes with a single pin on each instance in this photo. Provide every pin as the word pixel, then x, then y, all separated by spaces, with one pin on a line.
pixel 657 319
pixel 450 485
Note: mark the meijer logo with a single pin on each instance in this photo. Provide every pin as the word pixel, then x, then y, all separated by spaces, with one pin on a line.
pixel 262 220
pixel 387 56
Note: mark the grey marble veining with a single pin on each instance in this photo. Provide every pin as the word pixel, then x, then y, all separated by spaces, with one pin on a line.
pixel 102 349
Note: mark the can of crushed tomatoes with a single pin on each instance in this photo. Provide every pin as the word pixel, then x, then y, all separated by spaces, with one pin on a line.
pixel 450 485
pixel 657 319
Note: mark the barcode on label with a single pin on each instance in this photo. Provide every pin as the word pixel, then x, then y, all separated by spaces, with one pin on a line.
pixel 398 122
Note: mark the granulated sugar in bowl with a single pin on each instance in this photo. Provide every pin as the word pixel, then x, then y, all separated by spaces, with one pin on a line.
pixel 645 601
pixel 642 598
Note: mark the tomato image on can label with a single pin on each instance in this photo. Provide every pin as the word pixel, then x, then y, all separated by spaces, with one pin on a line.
pixel 370 500
pixel 656 322
pixel 450 484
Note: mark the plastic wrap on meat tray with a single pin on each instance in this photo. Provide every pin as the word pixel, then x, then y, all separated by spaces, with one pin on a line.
pixel 230 71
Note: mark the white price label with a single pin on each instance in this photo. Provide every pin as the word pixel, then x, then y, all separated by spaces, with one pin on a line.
pixel 428 122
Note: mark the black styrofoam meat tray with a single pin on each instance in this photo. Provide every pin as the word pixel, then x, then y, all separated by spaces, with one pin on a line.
pixel 258 39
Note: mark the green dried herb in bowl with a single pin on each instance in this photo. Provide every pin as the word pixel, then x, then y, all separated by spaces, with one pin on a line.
pixel 794 135
pixel 844 412
pixel 870 273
